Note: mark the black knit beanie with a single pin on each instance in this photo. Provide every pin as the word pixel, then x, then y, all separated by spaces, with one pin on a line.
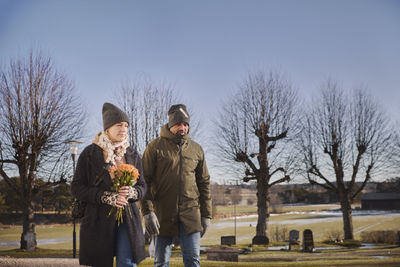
pixel 113 115
pixel 177 114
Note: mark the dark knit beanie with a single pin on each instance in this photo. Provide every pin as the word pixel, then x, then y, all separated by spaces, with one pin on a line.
pixel 113 115
pixel 177 114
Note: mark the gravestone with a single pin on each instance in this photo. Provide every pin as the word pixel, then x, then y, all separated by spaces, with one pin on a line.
pixel 260 240
pixel 308 241
pixel 228 240
pixel 398 236
pixel 294 238
pixel 223 254
pixel 28 240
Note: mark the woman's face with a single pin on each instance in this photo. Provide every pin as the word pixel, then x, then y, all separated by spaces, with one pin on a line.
pixel 118 132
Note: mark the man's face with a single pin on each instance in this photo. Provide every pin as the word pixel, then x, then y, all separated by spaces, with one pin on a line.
pixel 180 128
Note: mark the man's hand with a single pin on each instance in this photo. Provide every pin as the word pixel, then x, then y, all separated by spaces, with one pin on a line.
pixel 205 222
pixel 152 224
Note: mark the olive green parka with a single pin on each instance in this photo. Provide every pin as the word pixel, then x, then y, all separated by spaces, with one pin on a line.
pixel 178 183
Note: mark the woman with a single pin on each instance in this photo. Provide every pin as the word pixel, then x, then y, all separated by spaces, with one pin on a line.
pixel 100 237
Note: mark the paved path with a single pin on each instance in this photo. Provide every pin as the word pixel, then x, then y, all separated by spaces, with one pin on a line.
pixel 36 262
pixel 40 242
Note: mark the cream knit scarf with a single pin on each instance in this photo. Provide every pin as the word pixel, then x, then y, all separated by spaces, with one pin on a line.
pixel 113 152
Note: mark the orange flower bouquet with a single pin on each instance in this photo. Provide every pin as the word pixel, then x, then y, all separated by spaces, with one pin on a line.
pixel 122 175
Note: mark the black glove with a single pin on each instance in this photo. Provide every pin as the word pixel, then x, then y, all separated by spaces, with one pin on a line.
pixel 205 222
pixel 152 224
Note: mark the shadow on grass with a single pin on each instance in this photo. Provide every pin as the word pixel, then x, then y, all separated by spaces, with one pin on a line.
pixel 261 256
pixel 38 253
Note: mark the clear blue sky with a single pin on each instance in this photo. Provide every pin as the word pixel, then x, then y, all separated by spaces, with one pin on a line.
pixel 206 47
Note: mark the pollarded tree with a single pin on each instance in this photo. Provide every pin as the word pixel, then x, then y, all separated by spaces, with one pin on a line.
pixel 38 114
pixel 146 104
pixel 253 129
pixel 345 139
pixel 396 152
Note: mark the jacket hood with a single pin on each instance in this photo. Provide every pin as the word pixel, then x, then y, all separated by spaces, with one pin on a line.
pixel 166 133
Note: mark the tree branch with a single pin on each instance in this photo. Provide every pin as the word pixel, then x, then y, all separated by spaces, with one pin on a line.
pixel 242 157
pixel 277 137
pixel 248 178
pixel 356 166
pixel 313 182
pixel 366 180
pixel 284 179
pixel 314 170
pixel 278 169
pixel 9 161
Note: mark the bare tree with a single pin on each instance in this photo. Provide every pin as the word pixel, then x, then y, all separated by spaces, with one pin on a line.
pixel 396 151
pixel 147 104
pixel 253 130
pixel 38 114
pixel 345 139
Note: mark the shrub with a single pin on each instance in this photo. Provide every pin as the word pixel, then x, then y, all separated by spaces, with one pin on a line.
pixel 384 237
pixel 276 209
pixel 279 233
pixel 334 235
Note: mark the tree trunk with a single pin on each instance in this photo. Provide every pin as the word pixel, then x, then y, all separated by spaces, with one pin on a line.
pixel 347 216
pixel 28 236
pixel 262 209
pixel 261 237
pixel 262 196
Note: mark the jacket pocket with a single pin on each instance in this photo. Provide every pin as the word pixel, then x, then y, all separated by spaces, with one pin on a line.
pixel 189 164
pixel 195 189
pixel 190 190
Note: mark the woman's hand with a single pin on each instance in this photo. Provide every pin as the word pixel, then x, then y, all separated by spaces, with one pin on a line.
pixel 114 199
pixel 122 196
pixel 121 201
pixel 123 191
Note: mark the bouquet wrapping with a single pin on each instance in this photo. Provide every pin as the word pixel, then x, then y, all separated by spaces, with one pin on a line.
pixel 122 175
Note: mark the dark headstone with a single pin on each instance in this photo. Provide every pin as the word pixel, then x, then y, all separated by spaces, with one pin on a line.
pixel 228 240
pixel 223 254
pixel 294 238
pixel 398 236
pixel 260 240
pixel 28 241
pixel 308 241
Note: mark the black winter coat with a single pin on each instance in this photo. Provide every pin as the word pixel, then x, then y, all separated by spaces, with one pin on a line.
pixel 98 231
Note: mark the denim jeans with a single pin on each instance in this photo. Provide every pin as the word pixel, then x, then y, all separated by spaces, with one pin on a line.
pixel 124 251
pixel 190 245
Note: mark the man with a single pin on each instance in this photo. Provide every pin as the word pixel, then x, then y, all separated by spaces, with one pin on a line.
pixel 178 201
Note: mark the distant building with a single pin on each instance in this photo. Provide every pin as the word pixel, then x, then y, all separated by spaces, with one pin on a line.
pixel 380 201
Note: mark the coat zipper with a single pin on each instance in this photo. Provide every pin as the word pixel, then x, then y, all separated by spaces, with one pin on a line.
pixel 180 176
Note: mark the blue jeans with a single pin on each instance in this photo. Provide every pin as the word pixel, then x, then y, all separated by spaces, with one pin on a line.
pixel 123 250
pixel 190 246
